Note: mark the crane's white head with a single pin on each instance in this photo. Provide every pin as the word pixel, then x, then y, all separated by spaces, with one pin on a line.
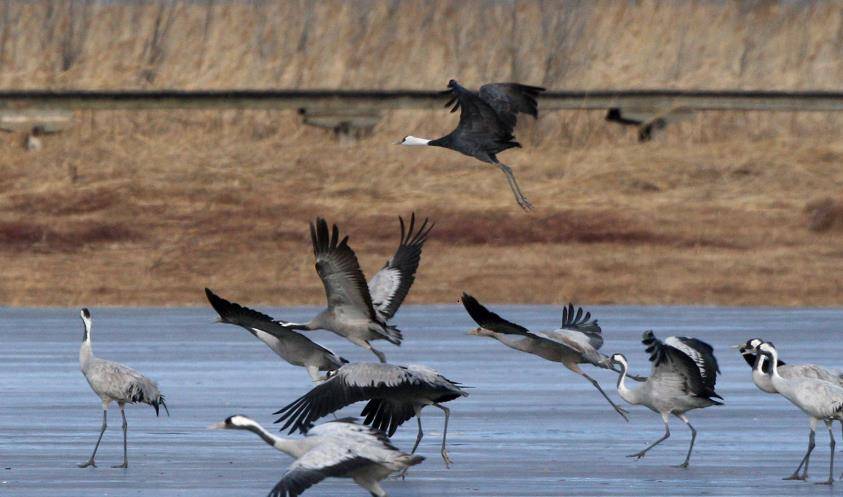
pixel 750 346
pixel 85 314
pixel 619 359
pixel 481 332
pixel 236 422
pixel 413 140
pixel 767 348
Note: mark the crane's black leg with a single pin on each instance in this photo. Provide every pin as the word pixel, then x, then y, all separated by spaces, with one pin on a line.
pixel 640 454
pixel 832 443
pixel 623 412
pixel 419 436
pixel 125 439
pixel 444 451
pixel 693 437
pixel 806 457
pixel 102 430
pixel 513 185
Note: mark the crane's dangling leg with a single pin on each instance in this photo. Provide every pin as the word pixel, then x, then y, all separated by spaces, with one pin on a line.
pixel 102 430
pixel 125 437
pixel 418 440
pixel 639 455
pixel 623 412
pixel 693 437
pixel 444 451
pixel 832 443
pixel 513 185
pixel 807 456
pixel 374 488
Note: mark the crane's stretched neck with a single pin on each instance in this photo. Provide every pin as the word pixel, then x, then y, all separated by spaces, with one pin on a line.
pixel 626 393
pixel 85 351
pixel 289 447
pixel 774 364
pixel 759 363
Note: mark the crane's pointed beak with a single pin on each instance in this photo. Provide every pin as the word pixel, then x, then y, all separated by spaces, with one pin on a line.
pixel 217 426
pixel 736 346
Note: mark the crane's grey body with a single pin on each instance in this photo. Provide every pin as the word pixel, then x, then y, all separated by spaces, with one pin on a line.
pixel 114 382
pixel 576 342
pixel 761 376
pixel 342 449
pixel 820 400
pixel 487 120
pixel 683 378
pixel 351 311
pixel 291 346
pixel 395 394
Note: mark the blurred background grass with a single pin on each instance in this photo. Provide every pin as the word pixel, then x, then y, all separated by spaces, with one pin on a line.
pixel 148 207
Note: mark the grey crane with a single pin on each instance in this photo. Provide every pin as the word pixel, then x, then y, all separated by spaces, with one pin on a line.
pixel 395 394
pixel 487 120
pixel 761 372
pixel 577 341
pixel 683 378
pixel 357 311
pixel 818 399
pixel 114 382
pixel 291 346
pixel 341 448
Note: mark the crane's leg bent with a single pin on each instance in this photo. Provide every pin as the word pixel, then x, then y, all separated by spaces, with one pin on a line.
pixel 639 455
pixel 371 485
pixel 102 430
pixel 444 451
pixel 807 456
pixel 125 438
pixel 623 412
pixel 513 185
pixel 368 346
pixel 693 437
pixel 832 443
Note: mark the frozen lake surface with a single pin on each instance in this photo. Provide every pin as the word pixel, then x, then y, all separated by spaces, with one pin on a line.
pixel 530 427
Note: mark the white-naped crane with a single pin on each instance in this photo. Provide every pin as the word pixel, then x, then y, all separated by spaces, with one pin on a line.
pixel 356 310
pixel 291 346
pixel 819 400
pixel 114 382
pixel 761 372
pixel 683 378
pixel 395 394
pixel 577 341
pixel 341 449
pixel 487 121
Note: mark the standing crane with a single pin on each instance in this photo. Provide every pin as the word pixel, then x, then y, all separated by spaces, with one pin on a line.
pixel 114 382
pixel 818 399
pixel 395 394
pixel 576 342
pixel 291 346
pixel 683 377
pixel 487 120
pixel 341 448
pixel 352 311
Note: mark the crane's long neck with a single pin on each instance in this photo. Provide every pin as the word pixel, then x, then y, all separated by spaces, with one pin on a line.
pixel 287 446
pixel 774 364
pixel 759 363
pixel 516 342
pixel 625 392
pixel 85 351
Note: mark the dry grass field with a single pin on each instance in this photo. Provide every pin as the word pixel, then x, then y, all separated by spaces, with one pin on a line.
pixel 150 207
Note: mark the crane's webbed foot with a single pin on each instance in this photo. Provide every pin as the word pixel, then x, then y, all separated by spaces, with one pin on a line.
pixel 623 412
pixel 89 463
pixel 638 455
pixel 124 465
pixel 447 459
pixel 830 481
pixel 684 465
pixel 797 476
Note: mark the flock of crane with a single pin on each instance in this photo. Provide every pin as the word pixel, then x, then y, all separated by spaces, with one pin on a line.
pixel 683 369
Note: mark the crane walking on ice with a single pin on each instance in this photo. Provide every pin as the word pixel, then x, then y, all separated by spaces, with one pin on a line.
pixel 114 382
pixel 487 120
pixel 341 448
pixel 683 377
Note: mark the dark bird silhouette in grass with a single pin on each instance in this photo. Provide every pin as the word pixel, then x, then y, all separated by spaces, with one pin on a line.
pixel 487 121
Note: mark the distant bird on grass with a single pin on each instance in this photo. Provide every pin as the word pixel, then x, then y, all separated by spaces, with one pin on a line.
pixel 114 382
pixel 487 120
pixel 575 342
pixel 291 346
pixel 683 378
pixel 357 311
pixel 341 449
pixel 395 394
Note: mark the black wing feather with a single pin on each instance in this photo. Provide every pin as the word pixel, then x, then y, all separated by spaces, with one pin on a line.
pixel 489 320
